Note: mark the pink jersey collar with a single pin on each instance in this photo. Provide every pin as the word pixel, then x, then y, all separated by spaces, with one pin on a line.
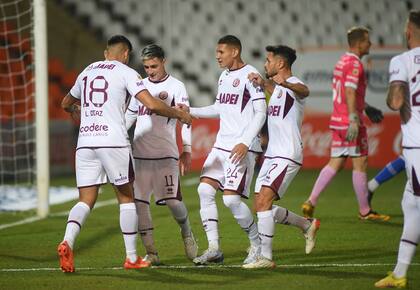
pixel 352 54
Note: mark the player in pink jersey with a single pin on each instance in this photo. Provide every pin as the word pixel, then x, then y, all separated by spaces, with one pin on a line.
pixel 349 138
pixel 103 150
pixel 404 96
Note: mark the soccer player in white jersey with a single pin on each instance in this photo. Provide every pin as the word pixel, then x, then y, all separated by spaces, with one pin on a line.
pixel 103 149
pixel 155 152
pixel 283 157
pixel 241 109
pixel 404 96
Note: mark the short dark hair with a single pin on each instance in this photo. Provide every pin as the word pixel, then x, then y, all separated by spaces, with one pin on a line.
pixel 117 39
pixel 356 34
pixel 231 40
pixel 152 51
pixel 414 17
pixel 288 53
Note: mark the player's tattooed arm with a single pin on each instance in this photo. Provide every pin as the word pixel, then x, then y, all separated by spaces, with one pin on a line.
pixel 72 106
pixel 397 93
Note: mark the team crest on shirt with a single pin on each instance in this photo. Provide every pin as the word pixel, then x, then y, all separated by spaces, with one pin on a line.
pixel 163 95
pixel 280 94
pixel 355 71
pixel 236 83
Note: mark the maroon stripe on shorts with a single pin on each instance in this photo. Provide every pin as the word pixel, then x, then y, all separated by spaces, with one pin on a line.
pixel 415 182
pixel 131 175
pixel 275 185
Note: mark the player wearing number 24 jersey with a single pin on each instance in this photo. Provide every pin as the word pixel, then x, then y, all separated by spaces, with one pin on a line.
pixel 103 151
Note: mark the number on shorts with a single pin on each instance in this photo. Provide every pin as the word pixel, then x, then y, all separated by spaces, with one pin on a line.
pixel 232 173
pixel 169 180
pixel 273 166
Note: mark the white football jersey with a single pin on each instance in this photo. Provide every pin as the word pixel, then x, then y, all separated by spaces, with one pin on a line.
pixel 155 136
pixel 406 67
pixel 103 89
pixel 234 102
pixel 285 115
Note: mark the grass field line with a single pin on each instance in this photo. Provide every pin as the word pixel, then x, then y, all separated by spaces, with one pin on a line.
pixel 99 204
pixel 326 265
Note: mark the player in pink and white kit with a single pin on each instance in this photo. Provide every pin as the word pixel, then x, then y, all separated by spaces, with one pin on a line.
pixel 103 149
pixel 349 138
pixel 241 108
pixel 404 96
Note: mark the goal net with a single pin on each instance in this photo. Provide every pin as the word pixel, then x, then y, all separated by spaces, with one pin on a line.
pixel 19 125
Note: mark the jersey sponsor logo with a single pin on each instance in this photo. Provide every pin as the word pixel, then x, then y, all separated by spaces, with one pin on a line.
pixel 417 59
pixel 139 84
pixel 280 94
pixel 394 72
pixel 143 110
pixel 259 90
pixel 236 83
pixel 121 178
pixel 93 128
pixel 163 95
pixel 226 98
pixel 274 111
pixel 220 82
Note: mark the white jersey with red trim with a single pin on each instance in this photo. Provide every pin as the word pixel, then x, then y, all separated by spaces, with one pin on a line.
pixel 405 67
pixel 234 102
pixel 103 89
pixel 285 115
pixel 155 136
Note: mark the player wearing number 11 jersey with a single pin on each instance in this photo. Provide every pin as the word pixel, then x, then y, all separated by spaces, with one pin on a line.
pixel 103 150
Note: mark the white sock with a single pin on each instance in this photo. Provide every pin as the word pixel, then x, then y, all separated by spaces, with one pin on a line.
pixel 405 255
pixel 128 225
pixel 243 216
pixel 76 219
pixel 373 185
pixel 208 213
pixel 145 227
pixel 286 217
pixel 180 214
pixel 266 231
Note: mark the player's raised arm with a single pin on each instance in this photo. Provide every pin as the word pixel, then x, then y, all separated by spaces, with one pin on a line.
pixel 160 108
pixel 301 90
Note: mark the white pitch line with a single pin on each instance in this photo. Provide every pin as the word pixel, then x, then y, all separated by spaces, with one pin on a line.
pixel 99 204
pixel 331 265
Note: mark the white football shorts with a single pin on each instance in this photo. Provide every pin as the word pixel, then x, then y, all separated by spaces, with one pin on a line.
pixel 277 174
pixel 94 165
pixel 234 177
pixel 160 177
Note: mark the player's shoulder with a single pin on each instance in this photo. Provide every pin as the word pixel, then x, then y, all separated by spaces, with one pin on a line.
pixel 295 80
pixel 174 81
pixel 250 68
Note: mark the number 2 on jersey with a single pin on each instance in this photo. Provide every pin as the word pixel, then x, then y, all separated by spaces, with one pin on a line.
pixel 100 88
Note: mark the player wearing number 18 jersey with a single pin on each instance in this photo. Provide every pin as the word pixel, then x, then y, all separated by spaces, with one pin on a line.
pixel 103 150
pixel 349 138
pixel 404 96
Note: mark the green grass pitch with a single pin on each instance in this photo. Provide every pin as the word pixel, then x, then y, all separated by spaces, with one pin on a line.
pixel 350 254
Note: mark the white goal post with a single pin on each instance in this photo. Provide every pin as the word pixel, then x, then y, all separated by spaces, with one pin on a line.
pixel 41 107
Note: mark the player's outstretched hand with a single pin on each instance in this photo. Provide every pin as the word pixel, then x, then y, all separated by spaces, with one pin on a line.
pixel 256 79
pixel 185 163
pixel 238 152
pixel 183 107
pixel 375 115
pixel 184 117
